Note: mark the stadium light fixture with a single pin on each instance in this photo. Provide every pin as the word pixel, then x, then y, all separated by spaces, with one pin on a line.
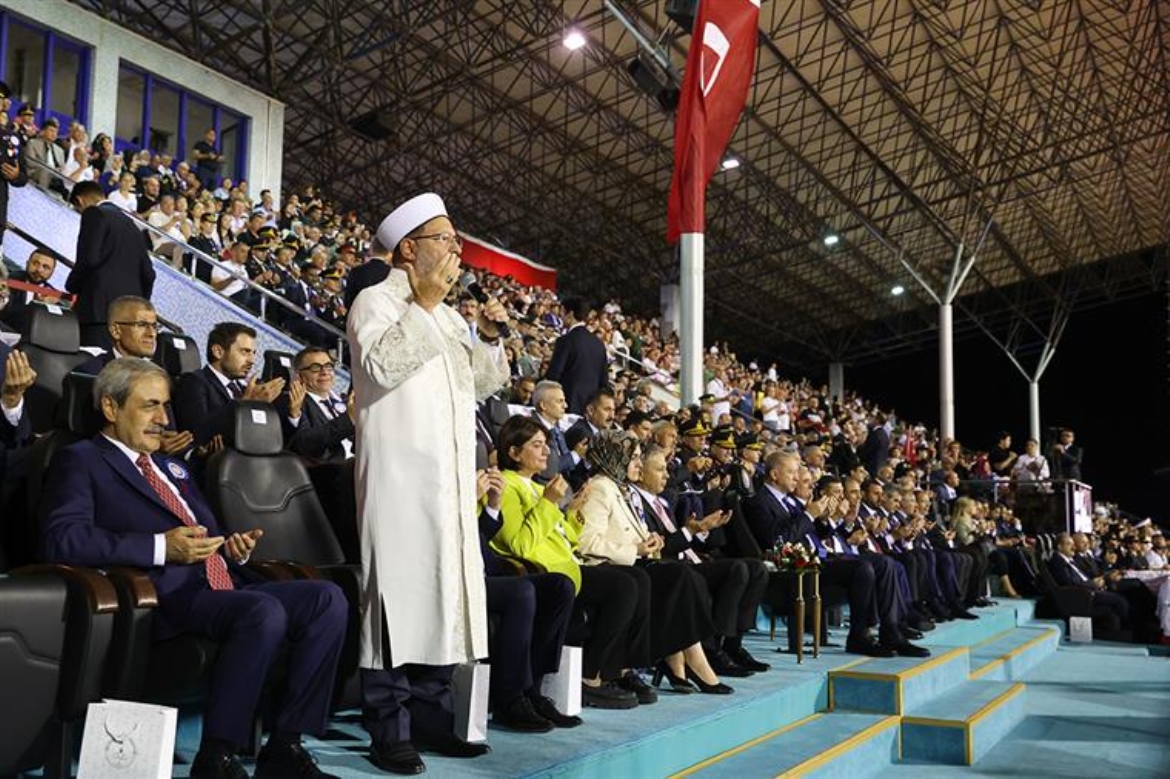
pixel 831 239
pixel 574 39
pixel 897 290
pixel 731 163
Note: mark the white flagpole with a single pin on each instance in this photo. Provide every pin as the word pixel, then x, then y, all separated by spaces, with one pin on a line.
pixel 691 335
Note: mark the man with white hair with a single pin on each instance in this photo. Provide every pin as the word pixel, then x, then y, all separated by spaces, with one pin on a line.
pixel 417 376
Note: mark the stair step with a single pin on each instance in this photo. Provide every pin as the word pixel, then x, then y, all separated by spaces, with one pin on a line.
pixel 961 725
pixel 1010 654
pixel 961 632
pixel 833 744
pixel 894 685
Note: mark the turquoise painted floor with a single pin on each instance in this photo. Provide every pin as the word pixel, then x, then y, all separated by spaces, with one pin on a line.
pixel 1091 711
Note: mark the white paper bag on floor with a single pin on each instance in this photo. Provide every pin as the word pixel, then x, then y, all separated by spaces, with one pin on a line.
pixel 471 682
pixel 564 687
pixel 125 740
pixel 1080 630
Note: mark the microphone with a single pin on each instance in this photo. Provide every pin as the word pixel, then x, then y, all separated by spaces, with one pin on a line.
pixel 469 285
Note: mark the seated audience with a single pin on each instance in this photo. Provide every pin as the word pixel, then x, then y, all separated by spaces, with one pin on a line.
pixel 616 598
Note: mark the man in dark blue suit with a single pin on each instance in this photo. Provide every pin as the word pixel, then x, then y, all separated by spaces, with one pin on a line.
pixel 114 500
pixel 875 452
pixel 111 261
pixel 133 327
pixel 578 362
pixel 1109 609
pixel 205 399
pixel 16 376
pixel 38 270
pixel 324 427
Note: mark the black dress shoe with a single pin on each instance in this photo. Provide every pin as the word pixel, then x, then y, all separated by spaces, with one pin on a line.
pixel 450 746
pixel 397 757
pixel 608 695
pixel 216 765
pixel 520 715
pixel 723 665
pixel 869 648
pixel 921 624
pixel 906 649
pixel 964 614
pixel 911 633
pixel 744 659
pixel 633 682
pixel 286 761
pixel 547 709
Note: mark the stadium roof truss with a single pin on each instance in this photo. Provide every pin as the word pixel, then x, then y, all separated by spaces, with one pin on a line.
pixel 1032 133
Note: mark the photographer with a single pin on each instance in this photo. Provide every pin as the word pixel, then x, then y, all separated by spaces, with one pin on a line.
pixel 13 170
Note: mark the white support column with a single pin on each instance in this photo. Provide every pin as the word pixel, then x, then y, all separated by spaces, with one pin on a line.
pixel 836 380
pixel 1034 409
pixel 691 334
pixel 946 372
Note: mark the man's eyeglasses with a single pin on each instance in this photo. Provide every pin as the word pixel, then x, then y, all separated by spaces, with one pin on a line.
pixel 155 326
pixel 318 367
pixel 447 238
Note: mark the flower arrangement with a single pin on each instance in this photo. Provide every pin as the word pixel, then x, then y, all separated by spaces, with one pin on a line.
pixel 791 557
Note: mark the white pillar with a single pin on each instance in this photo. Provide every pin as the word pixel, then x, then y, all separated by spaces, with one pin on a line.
pixel 691 333
pixel 1034 409
pixel 836 380
pixel 946 372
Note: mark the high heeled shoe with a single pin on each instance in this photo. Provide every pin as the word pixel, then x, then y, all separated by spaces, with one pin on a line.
pixel 719 688
pixel 677 684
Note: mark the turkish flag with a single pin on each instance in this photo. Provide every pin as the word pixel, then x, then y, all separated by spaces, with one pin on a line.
pixel 715 86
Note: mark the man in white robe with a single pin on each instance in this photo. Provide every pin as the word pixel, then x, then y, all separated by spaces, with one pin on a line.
pixel 417 375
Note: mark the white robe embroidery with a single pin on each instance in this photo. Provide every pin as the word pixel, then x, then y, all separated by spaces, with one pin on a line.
pixel 417 377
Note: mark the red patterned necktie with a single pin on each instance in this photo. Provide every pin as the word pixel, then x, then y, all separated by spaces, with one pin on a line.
pixel 217 573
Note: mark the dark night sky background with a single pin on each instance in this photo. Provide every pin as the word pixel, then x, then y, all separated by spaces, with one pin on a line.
pixel 1108 381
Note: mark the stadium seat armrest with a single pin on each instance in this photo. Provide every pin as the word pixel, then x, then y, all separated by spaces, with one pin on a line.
pixel 99 592
pixel 134 586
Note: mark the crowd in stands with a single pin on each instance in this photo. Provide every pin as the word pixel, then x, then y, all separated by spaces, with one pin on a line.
pixel 588 471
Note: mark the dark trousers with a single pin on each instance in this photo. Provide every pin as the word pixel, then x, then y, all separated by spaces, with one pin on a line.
pixel 978 576
pixel 736 586
pixel 615 600
pixel 95 334
pixel 533 614
pixel 1111 610
pixel 856 576
pixel 408 703
pixel 251 624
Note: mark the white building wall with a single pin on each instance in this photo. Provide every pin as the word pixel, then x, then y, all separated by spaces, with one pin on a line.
pixel 110 44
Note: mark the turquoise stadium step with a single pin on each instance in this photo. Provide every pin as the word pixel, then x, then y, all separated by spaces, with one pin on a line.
pixel 894 685
pixel 1011 654
pixel 961 725
pixel 836 744
pixel 992 621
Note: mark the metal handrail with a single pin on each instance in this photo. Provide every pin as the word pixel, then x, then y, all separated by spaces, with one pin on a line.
pixel 265 293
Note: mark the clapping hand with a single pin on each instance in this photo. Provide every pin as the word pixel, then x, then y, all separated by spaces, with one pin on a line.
pixel 18 377
pixel 240 545
pixel 265 392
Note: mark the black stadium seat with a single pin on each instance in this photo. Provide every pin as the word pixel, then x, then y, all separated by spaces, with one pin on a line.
pixel 177 354
pixel 51 339
pixel 254 484
pixel 56 628
pixel 277 364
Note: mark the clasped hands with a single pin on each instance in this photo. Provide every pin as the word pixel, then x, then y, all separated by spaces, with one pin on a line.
pixel 189 544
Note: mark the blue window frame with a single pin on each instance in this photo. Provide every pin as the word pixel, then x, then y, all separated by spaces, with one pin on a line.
pixel 46 69
pixel 159 115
